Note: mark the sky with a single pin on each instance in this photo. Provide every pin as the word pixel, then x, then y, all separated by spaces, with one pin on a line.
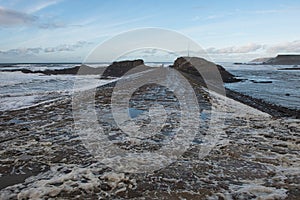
pixel 69 30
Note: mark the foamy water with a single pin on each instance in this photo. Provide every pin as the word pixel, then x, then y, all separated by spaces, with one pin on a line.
pixel 18 90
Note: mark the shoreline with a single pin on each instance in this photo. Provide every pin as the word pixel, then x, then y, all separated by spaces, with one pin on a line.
pixel 274 110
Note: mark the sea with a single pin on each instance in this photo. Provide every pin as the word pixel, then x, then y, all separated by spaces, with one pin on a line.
pixel 267 82
pixel 19 90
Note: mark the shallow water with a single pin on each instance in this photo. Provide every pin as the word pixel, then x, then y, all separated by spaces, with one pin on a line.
pixel 133 112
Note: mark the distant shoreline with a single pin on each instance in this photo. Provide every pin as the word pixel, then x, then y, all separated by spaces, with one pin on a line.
pixel 278 60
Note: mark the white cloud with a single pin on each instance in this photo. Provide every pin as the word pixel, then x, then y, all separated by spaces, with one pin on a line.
pixel 40 5
pixel 67 47
pixel 150 55
pixel 252 50
pixel 286 47
pixel 251 47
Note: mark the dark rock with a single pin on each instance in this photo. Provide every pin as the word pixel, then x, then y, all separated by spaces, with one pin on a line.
pixel 118 69
pixel 67 171
pixel 254 81
pixel 278 60
pixel 80 70
pixel 290 68
pixel 185 64
pixel 238 63
pixel 57 184
pixel 24 129
pixel 226 76
pixel 105 187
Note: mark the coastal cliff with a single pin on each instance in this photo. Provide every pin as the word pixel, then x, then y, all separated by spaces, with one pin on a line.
pixel 278 60
pixel 284 60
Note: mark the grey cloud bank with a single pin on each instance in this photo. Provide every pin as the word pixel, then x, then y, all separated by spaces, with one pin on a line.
pixel 37 50
pixel 11 18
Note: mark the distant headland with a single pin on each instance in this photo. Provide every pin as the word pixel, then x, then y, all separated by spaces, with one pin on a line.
pixel 283 59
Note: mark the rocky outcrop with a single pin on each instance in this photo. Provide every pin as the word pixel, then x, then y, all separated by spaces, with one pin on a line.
pixel 278 60
pixel 186 64
pixel 118 69
pixel 226 76
pixel 81 70
pixel 283 60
